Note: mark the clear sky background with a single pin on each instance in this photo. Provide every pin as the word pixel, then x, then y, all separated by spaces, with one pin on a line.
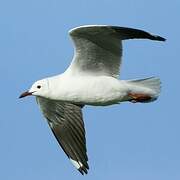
pixel 127 141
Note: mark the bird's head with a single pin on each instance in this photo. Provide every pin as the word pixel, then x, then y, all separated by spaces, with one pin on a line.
pixel 39 88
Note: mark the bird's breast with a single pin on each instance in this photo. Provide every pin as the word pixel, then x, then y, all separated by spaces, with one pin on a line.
pixel 89 90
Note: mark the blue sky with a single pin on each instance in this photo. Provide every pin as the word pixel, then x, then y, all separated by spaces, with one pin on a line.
pixel 127 141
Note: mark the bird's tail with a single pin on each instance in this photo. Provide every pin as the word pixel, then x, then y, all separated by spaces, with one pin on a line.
pixel 153 84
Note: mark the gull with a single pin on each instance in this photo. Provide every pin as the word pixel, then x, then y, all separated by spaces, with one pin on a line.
pixel 91 79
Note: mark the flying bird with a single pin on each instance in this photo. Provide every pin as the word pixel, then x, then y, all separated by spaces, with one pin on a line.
pixel 91 79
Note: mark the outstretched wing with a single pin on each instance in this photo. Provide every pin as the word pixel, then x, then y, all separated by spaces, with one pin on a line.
pixel 98 48
pixel 66 123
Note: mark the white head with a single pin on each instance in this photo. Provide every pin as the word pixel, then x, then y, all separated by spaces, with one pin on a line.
pixel 39 88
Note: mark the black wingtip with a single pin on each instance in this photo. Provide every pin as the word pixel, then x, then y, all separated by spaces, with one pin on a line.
pixel 83 170
pixel 158 38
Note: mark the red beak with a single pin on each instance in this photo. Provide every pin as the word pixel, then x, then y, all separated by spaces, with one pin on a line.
pixel 25 94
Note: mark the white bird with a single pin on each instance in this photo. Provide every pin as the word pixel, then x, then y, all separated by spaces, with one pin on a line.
pixel 91 79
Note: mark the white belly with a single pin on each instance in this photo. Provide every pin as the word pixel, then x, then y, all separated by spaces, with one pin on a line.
pixel 100 90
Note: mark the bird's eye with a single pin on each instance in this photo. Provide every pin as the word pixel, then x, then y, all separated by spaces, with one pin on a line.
pixel 38 86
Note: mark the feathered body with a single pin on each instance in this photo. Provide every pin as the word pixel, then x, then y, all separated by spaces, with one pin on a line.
pixel 91 79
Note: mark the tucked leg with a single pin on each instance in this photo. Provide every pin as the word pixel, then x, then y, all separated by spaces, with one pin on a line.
pixel 138 97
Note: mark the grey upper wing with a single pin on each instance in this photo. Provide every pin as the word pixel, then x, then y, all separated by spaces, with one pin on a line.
pixel 66 123
pixel 98 49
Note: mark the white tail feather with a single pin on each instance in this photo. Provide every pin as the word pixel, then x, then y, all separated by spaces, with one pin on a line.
pixel 152 83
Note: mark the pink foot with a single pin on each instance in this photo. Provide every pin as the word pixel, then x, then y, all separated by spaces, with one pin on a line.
pixel 138 97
